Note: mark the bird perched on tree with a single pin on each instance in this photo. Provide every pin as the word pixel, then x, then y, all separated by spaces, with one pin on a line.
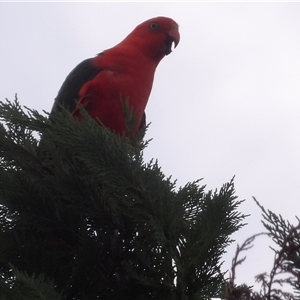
pixel 126 71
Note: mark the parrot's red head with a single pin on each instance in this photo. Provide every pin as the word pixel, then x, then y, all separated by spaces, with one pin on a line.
pixel 155 37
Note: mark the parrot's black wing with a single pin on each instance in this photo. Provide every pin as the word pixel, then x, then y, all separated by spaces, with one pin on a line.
pixel 69 91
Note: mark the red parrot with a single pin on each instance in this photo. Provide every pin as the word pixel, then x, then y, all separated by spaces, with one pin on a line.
pixel 125 71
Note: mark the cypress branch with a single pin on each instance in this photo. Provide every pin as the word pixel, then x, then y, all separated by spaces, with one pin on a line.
pixel 83 209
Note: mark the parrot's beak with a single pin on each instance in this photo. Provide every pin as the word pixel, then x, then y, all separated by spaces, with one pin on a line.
pixel 171 41
pixel 175 36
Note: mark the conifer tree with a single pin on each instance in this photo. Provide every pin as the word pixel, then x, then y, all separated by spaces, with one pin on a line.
pixel 83 216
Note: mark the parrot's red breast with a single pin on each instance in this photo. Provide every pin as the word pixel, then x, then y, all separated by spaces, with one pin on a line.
pixel 126 71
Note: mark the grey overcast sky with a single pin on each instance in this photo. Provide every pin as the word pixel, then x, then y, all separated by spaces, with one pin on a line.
pixel 226 102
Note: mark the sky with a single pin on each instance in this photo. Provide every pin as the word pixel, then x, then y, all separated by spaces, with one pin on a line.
pixel 225 103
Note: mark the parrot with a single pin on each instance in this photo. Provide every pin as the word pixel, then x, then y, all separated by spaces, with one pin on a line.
pixel 101 84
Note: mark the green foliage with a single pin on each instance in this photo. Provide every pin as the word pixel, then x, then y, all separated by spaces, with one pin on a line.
pixel 287 254
pixel 82 209
pixel 285 272
pixel 28 288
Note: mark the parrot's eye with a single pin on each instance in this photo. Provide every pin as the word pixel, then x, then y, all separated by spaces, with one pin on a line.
pixel 153 25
